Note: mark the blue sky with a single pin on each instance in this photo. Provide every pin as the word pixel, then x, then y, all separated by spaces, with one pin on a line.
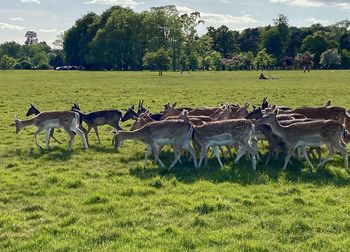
pixel 50 17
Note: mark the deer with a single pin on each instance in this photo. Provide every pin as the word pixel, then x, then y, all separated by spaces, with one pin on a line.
pixel 98 118
pixel 227 132
pixel 132 114
pixel 171 110
pixel 68 120
pixel 312 133
pixel 34 111
pixel 176 133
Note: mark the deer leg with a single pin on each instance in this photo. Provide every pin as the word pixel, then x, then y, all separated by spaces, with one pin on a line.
pixel 53 137
pixel 339 147
pixel 71 138
pixel 147 154
pixel 241 152
pixel 47 139
pixel 96 131
pixel 288 156
pixel 252 152
pixel 330 154
pixel 80 126
pixel 156 155
pixel 36 137
pixel 204 152
pixel 83 137
pixel 189 148
pixel 177 154
pixel 303 150
pixel 255 147
pixel 216 153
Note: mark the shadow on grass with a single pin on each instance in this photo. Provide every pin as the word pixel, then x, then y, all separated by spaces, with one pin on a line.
pixel 242 172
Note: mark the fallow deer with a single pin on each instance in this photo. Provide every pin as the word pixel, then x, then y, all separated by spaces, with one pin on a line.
pixel 176 133
pixel 171 110
pixel 312 134
pixel 34 111
pixel 227 132
pixel 98 118
pixel 68 120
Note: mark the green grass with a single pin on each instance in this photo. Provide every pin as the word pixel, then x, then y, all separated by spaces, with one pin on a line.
pixel 104 200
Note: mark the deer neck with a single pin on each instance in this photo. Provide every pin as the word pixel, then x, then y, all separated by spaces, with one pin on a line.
pixel 28 122
pixel 128 135
pixel 277 128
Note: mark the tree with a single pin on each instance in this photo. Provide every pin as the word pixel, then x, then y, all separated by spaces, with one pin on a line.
pixel 330 58
pixel 263 59
pixel 7 62
pixel 76 44
pixel 158 60
pixel 276 39
pixel 225 41
pixel 305 60
pixel 345 59
pixel 31 38
pixel 315 44
pixel 249 40
pixel 344 42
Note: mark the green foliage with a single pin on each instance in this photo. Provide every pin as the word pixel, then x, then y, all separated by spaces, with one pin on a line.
pixel 345 59
pixel 104 200
pixel 264 60
pixel 158 60
pixel 7 62
pixel 315 44
pixel 330 58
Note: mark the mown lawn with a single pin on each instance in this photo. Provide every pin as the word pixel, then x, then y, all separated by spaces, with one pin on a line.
pixel 104 200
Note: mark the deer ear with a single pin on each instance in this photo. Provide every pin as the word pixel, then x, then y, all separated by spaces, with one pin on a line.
pixel 132 107
pixel 174 105
pixel 31 105
pixel 247 104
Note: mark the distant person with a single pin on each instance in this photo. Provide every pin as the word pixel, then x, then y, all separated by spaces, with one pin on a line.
pixel 306 68
pixel 262 76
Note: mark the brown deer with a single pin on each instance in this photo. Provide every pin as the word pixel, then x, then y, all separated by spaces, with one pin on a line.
pixel 312 134
pixel 68 120
pixel 176 133
pixel 227 132
pixel 170 110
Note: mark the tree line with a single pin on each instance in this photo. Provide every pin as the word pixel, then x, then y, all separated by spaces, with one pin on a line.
pixel 162 38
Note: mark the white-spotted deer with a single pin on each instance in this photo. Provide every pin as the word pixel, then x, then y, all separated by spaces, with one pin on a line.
pixel 227 132
pixel 68 120
pixel 311 133
pixel 176 133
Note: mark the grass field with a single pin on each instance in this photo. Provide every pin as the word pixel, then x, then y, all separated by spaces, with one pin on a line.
pixel 104 200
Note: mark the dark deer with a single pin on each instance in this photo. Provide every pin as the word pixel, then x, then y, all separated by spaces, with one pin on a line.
pixel 98 118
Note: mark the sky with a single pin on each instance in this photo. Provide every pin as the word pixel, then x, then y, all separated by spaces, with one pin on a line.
pixel 50 17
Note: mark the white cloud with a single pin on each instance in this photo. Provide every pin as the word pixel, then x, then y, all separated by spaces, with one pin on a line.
pixel 17 19
pixel 315 3
pixel 125 3
pixel 318 21
pixel 47 30
pixel 220 19
pixel 5 26
pixel 30 1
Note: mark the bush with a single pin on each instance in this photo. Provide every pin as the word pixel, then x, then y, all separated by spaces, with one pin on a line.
pixel 44 66
pixel 24 65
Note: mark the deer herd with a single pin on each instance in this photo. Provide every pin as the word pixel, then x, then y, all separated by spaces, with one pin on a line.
pixel 298 132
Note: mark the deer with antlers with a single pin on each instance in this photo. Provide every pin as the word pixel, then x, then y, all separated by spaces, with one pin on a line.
pixel 68 120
